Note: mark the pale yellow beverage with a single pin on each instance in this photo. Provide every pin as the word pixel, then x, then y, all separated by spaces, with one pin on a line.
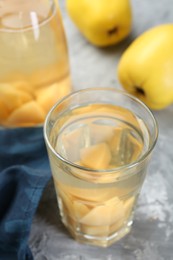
pixel 34 61
pixel 99 142
pixel 98 205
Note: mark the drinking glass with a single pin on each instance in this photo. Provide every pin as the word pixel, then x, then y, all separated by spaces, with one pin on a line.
pixel 99 143
pixel 34 61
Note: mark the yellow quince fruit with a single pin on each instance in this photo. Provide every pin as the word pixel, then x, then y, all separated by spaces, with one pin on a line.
pixel 146 67
pixel 102 22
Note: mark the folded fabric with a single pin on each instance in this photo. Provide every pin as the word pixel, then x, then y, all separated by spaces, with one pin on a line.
pixel 24 173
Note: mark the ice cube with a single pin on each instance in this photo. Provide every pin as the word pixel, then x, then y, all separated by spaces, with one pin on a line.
pixel 136 147
pixel 69 144
pixel 118 146
pixel 100 133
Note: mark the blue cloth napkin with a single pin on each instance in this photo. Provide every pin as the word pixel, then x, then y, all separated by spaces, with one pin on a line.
pixel 24 173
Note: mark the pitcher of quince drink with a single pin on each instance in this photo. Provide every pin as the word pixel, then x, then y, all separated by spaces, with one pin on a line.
pixel 34 65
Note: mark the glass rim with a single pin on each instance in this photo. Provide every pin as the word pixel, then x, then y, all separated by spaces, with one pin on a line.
pixel 112 170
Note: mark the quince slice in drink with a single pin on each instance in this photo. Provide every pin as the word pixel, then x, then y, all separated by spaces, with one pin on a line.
pixel 90 196
pixel 116 226
pixel 20 82
pixel 95 230
pixel 24 86
pixel 28 114
pixel 105 214
pixel 48 96
pixel 96 156
pixel 12 97
pixel 128 205
pixel 67 202
pixel 4 111
pixel 76 209
pixel 80 209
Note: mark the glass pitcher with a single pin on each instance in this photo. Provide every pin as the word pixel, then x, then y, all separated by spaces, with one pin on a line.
pixel 34 64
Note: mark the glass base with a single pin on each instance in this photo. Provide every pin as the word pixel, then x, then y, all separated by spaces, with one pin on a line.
pixel 102 240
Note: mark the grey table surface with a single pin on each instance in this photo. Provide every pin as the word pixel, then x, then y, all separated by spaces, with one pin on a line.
pixel 151 237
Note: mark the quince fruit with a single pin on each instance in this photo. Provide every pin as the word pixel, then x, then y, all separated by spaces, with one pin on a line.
pixel 102 22
pixel 146 67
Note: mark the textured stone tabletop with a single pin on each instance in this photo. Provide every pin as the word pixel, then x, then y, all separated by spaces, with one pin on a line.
pixel 151 237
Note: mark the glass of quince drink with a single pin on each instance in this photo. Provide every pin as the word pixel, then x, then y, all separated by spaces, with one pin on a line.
pixel 34 62
pixel 99 143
